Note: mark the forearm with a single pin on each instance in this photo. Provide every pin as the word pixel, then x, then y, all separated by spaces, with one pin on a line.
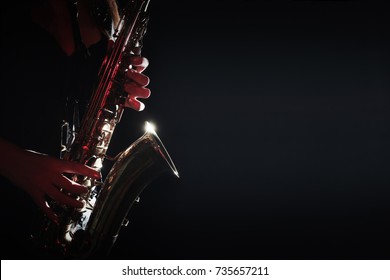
pixel 10 157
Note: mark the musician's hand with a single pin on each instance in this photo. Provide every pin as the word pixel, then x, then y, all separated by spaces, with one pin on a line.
pixel 136 83
pixel 42 176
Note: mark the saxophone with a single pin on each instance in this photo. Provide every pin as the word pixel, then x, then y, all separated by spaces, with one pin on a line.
pixel 92 231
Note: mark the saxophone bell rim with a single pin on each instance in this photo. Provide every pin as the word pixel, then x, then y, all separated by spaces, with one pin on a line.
pixel 150 129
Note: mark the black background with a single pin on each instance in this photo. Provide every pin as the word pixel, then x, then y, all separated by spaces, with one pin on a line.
pixel 276 114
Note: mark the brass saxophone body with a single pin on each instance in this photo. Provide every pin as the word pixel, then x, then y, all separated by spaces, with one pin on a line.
pixel 92 231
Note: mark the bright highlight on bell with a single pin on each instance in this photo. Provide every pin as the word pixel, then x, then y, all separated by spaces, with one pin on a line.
pixel 149 127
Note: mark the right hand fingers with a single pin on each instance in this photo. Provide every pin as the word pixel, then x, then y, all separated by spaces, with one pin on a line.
pixel 80 169
pixel 59 197
pixel 64 199
pixel 41 202
pixel 70 186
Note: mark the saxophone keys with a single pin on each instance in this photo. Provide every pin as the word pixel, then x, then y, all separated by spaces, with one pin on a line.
pixel 125 222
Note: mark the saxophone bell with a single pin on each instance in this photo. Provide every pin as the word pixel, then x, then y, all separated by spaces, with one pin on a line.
pixel 140 164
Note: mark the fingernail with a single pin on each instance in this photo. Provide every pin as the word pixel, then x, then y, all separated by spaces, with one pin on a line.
pixel 141 106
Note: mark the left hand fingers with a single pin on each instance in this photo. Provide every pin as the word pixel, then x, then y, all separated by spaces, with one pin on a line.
pixel 135 104
pixel 134 90
pixel 139 78
pixel 139 63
